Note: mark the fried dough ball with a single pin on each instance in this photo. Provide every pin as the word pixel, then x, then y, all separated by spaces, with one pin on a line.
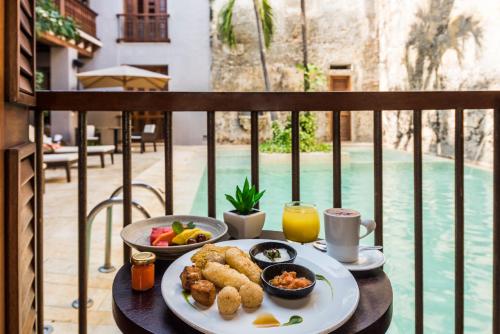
pixel 228 300
pixel 251 294
pixel 189 276
pixel 203 292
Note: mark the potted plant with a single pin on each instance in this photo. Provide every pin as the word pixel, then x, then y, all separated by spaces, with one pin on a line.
pixel 245 222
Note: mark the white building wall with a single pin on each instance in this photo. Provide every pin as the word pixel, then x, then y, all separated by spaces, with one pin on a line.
pixel 63 77
pixel 187 55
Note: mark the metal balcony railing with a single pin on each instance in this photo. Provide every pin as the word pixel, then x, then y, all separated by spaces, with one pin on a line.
pixel 373 103
pixel 143 28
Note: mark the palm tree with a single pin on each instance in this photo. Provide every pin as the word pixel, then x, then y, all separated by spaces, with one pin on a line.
pixel 434 32
pixel 265 30
pixel 305 60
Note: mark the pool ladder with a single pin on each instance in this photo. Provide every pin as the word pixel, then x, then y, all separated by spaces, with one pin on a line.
pixel 108 204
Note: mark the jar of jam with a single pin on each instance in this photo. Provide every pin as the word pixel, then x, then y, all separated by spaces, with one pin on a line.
pixel 143 271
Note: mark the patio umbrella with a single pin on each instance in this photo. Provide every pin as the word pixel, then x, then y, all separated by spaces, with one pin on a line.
pixel 123 76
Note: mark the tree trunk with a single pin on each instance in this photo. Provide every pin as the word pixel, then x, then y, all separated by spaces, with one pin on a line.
pixel 262 51
pixel 305 60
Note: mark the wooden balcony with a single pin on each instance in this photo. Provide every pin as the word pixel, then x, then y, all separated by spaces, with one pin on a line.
pixel 143 28
pixel 85 18
pixel 81 13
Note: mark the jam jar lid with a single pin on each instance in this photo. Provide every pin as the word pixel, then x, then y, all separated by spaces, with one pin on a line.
pixel 143 258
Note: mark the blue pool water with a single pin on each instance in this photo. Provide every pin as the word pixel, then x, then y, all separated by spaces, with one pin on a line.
pixel 357 193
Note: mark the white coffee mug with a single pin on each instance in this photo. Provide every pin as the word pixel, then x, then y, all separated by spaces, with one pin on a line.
pixel 342 230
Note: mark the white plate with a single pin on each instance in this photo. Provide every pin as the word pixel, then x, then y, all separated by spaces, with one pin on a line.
pixel 368 259
pixel 322 311
pixel 136 235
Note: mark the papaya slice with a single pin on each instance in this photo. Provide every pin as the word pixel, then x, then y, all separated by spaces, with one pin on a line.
pixel 164 237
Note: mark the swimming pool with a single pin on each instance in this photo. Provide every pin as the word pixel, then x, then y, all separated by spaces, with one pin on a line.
pixel 357 193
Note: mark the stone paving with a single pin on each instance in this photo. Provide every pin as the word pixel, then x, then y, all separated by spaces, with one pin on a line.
pixel 60 229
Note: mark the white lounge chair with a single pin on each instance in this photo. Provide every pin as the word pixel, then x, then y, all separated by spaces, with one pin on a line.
pixel 54 161
pixel 100 150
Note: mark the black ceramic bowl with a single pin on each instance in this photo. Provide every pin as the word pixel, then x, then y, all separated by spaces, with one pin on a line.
pixel 277 269
pixel 270 245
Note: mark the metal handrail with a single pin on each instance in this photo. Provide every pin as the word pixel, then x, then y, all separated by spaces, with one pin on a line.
pixel 107 267
pixel 106 204
pixel 158 192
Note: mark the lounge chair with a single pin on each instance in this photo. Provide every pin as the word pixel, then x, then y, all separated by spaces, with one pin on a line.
pixel 100 150
pixel 54 161
pixel 92 136
pixel 148 135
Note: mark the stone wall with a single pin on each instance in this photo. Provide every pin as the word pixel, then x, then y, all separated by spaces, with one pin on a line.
pixel 339 32
pixel 472 65
pixel 382 41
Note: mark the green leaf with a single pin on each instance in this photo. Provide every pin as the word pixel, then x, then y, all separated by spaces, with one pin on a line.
pixel 267 21
pixel 294 320
pixel 225 26
pixel 232 201
pixel 177 227
pixel 239 194
pixel 191 225
pixel 246 186
pixel 259 196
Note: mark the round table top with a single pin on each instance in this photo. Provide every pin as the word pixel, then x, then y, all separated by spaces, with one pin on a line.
pixel 146 312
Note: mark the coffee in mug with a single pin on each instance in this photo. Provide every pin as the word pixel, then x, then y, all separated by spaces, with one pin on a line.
pixel 342 233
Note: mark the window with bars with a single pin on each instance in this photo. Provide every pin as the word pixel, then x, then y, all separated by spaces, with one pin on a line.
pixel 144 21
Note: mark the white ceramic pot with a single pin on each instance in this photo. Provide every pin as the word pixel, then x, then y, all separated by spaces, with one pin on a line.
pixel 245 226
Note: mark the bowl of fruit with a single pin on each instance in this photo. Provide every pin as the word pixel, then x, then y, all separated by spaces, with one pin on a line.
pixel 171 236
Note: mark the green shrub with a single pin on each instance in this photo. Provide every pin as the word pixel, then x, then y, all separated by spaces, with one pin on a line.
pixel 282 136
pixel 48 18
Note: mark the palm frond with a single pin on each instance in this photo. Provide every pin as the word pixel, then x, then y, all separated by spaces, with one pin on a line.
pixel 267 20
pixel 225 25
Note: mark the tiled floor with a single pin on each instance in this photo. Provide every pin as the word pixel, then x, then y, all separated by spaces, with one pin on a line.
pixel 60 229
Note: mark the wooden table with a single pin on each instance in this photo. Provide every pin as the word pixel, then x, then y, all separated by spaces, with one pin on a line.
pixel 147 312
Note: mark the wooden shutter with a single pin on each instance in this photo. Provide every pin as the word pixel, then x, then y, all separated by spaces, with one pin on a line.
pixel 21 273
pixel 20 55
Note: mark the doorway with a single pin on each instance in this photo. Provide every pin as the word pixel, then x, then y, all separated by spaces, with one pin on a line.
pixel 341 83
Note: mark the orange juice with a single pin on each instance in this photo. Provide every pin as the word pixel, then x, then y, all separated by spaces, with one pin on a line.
pixel 300 222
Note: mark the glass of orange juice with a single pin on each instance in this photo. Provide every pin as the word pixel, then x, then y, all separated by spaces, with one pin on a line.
pixel 300 222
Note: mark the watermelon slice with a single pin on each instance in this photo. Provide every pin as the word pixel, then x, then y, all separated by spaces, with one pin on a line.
pixel 156 232
pixel 167 237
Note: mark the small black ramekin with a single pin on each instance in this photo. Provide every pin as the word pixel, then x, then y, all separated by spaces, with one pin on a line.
pixel 277 269
pixel 258 248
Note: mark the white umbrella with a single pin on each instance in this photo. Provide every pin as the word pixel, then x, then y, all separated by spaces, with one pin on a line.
pixel 123 76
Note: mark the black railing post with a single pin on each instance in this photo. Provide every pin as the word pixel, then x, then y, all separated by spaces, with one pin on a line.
pixel 378 177
pixel 211 163
pixel 417 186
pixel 496 220
pixel 295 156
pixel 82 222
pixel 459 221
pixel 127 178
pixel 167 135
pixel 39 217
pixel 254 150
pixel 337 162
